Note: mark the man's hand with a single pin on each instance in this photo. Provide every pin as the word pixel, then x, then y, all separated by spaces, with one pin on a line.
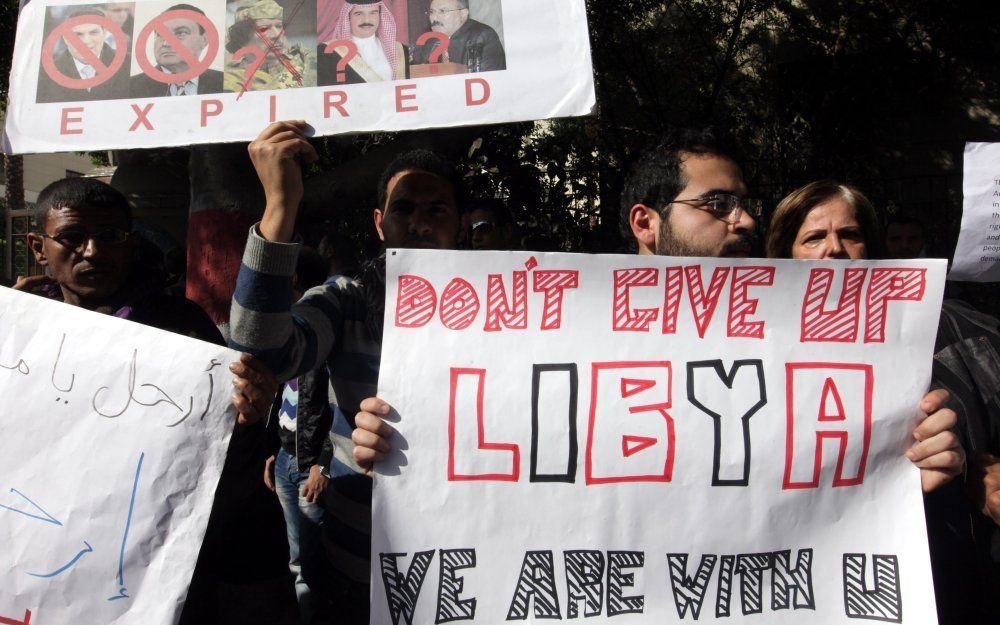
pixel 32 284
pixel 277 154
pixel 984 485
pixel 315 484
pixel 371 433
pixel 269 473
pixel 255 389
pixel 938 452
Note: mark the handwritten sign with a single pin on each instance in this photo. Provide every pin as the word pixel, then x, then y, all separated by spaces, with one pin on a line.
pixel 977 254
pixel 72 89
pixel 114 436
pixel 637 439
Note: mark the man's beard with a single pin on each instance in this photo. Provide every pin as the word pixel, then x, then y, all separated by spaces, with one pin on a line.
pixel 671 245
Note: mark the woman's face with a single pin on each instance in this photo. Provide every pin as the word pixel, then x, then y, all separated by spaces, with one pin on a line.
pixel 830 230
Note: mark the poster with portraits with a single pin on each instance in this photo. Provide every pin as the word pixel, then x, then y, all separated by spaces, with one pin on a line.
pixel 94 76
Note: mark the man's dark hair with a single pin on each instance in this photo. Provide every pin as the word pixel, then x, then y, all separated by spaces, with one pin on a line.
pixel 425 161
pixel 495 206
pixel 655 178
pixel 86 11
pixel 79 193
pixel 463 4
pixel 241 33
pixel 188 7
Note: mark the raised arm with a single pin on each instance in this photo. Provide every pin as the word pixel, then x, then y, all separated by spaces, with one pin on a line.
pixel 289 339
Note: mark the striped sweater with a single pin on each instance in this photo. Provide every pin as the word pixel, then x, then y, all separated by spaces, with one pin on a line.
pixel 326 326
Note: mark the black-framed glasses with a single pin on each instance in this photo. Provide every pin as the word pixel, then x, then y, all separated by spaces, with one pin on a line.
pixel 725 206
pixel 77 240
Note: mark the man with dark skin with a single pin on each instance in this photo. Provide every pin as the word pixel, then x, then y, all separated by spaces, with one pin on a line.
pixel 83 237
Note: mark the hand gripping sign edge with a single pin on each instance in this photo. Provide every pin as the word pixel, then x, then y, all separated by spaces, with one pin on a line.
pixel 197 66
pixel 103 73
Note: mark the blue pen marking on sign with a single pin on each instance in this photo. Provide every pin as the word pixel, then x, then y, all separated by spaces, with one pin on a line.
pixel 48 518
pixel 123 592
pixel 69 564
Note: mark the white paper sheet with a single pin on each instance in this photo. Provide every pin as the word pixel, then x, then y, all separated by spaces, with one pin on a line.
pixel 977 254
pixel 548 74
pixel 113 439
pixel 647 448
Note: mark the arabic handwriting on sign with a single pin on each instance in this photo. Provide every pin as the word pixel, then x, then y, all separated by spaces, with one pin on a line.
pixel 164 398
pixel 55 365
pixel 68 565
pixel 48 518
pixel 213 363
pixel 21 367
pixel 122 590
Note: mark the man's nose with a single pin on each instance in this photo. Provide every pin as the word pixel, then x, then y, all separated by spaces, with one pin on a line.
pixel 746 223
pixel 419 222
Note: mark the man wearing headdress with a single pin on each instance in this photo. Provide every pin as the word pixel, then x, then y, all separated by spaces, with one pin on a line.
pixel 260 24
pixel 372 28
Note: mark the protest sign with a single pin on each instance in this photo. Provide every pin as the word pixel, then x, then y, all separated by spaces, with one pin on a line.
pixel 114 437
pixel 977 254
pixel 95 76
pixel 652 440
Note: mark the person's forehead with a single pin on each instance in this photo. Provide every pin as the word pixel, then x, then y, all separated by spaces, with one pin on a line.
pixel 87 27
pixel 703 173
pixel 360 9
pixel 265 22
pixel 415 181
pixel 444 4
pixel 86 215
pixel 179 22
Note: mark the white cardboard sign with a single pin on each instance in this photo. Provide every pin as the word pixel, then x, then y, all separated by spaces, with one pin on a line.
pixel 113 439
pixel 536 48
pixel 977 254
pixel 634 439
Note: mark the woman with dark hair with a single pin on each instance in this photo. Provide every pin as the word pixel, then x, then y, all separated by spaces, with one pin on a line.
pixel 824 220
pixel 828 220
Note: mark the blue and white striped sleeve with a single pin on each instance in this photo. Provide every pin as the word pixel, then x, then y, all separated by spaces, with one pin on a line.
pixel 289 339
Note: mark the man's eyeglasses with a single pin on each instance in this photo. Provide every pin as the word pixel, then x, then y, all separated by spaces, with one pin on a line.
pixel 77 240
pixel 441 12
pixel 725 206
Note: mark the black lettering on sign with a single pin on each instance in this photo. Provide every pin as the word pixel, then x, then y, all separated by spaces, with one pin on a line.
pixel 400 592
pixel 883 602
pixel 536 584
pixel 689 594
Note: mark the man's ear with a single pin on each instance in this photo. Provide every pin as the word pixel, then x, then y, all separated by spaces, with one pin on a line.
pixel 645 224
pixel 36 244
pixel 377 216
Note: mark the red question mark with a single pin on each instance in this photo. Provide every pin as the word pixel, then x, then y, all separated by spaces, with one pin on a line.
pixel 441 50
pixel 258 56
pixel 352 51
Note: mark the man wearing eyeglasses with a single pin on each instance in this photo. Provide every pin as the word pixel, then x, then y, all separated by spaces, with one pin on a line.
pixel 472 43
pixel 84 238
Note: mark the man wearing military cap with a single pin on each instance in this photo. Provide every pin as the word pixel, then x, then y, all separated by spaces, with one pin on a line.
pixel 261 24
pixel 372 27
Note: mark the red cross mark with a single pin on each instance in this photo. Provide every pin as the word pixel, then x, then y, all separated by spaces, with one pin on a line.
pixel 196 66
pixel 103 72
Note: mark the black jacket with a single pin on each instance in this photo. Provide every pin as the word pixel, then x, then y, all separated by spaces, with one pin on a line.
pixel 473 36
pixel 142 86
pixel 114 88
pixel 309 443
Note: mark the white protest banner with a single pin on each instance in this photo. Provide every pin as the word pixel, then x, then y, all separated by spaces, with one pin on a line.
pixel 94 76
pixel 977 254
pixel 114 437
pixel 652 440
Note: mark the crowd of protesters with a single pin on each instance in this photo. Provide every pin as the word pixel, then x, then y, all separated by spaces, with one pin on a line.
pixel 312 320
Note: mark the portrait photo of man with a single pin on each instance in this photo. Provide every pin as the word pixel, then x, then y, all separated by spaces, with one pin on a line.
pixel 371 25
pixel 170 60
pixel 261 24
pixel 76 57
pixel 472 43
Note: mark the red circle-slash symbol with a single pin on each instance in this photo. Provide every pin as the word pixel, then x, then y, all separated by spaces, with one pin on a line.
pixel 196 66
pixel 102 72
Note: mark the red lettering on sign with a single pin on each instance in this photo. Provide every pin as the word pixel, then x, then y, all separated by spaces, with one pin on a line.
pixel 890 285
pixel 839 324
pixel 210 108
pixel 470 98
pixel 514 472
pixel 66 120
pixel 415 302
pixel 140 117
pixel 625 319
pixel 741 305
pixel 401 97
pixel 334 100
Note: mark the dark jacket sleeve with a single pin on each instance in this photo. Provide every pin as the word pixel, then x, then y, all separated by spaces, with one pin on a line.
pixel 314 418
pixel 494 58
